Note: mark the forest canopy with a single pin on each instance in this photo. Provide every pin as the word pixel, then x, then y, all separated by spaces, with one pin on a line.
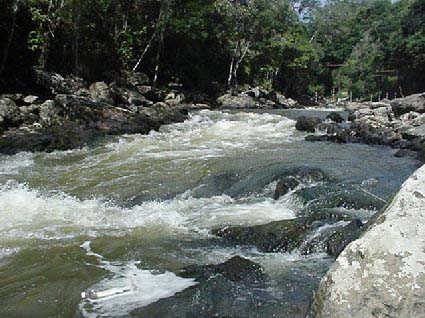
pixel 298 47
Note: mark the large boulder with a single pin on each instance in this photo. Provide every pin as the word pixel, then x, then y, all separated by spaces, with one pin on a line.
pixel 9 113
pixel 54 83
pixel 236 101
pixel 382 274
pixel 307 124
pixel 410 103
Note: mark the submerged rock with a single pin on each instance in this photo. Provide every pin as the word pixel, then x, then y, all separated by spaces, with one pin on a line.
pixel 332 238
pixel 343 236
pixel 284 186
pixel 235 269
pixel 257 181
pixel 340 196
pixel 278 236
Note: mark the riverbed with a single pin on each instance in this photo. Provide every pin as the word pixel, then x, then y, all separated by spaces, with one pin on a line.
pixel 125 214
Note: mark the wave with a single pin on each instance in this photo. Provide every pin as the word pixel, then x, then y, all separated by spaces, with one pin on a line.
pixel 28 213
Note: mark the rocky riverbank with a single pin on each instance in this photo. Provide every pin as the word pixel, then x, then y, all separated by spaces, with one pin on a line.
pixel 399 123
pixel 69 112
pixel 382 274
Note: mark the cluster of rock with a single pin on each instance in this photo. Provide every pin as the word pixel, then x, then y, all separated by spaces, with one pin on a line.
pixel 399 123
pixel 323 225
pixel 256 98
pixel 70 112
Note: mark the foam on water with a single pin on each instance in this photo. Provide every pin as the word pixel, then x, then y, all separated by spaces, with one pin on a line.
pixel 27 213
pixel 128 288
pixel 10 165
pixel 206 134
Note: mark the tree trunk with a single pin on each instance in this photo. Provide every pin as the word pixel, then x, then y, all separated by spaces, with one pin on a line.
pixel 9 38
pixel 243 54
pixel 44 51
pixel 158 57
pixel 77 17
pixel 144 52
pixel 229 79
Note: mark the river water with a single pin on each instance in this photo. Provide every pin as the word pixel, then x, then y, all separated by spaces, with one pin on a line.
pixel 122 216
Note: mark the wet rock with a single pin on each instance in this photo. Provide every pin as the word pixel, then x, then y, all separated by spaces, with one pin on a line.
pixel 343 236
pixel 279 236
pixel 256 182
pixel 307 124
pixel 335 117
pixel 410 103
pixel 315 138
pixel 284 186
pixel 236 101
pixel 331 238
pixel 338 196
pixel 235 269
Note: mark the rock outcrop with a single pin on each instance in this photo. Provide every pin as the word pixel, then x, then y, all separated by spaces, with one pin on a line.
pixel 399 124
pixel 256 98
pixel 70 113
pixel 382 274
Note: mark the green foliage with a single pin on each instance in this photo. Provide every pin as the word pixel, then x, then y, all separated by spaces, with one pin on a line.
pixel 284 44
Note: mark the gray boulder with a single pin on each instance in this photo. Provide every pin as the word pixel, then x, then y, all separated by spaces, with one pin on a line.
pixel 382 274
pixel 307 124
pixel 54 83
pixel 9 113
pixel 410 103
pixel 100 92
pixel 236 101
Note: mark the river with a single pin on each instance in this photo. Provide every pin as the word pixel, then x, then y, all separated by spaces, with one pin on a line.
pixel 123 215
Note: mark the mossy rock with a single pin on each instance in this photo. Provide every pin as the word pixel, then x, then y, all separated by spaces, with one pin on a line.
pixel 279 236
